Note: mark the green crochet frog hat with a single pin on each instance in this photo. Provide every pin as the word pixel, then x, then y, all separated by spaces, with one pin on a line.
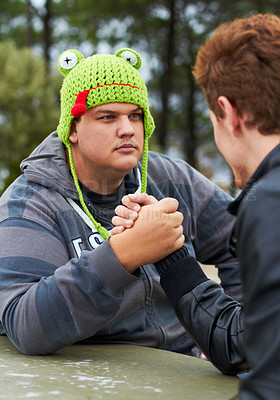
pixel 96 80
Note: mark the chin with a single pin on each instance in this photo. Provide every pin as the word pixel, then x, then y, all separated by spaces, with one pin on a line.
pixel 240 183
pixel 126 166
pixel 240 176
pixel 129 160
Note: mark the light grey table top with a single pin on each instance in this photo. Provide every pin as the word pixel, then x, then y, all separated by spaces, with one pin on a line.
pixel 118 372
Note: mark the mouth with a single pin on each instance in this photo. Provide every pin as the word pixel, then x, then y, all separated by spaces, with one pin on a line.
pixel 126 148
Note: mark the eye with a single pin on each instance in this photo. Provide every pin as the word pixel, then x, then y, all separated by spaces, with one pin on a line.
pixel 136 115
pixel 107 117
pixel 129 57
pixel 68 60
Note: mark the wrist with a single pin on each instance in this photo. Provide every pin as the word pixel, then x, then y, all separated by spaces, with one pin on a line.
pixel 121 248
pixel 179 274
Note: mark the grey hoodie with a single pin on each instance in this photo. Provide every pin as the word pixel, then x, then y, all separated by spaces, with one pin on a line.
pixel 60 283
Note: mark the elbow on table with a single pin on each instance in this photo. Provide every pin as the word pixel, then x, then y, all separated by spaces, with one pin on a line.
pixel 27 344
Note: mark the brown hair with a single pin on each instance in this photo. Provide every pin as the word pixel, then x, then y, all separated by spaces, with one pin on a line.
pixel 241 61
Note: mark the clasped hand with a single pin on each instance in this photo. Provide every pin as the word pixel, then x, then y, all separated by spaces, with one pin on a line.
pixel 146 230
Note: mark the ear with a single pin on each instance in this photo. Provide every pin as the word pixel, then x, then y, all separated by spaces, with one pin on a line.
pixel 73 137
pixel 231 116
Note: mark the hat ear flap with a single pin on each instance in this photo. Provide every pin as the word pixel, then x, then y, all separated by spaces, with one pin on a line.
pixel 68 60
pixel 131 56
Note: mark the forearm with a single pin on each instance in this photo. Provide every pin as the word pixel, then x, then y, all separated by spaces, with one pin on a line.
pixel 179 274
pixel 71 304
pixel 211 317
pixel 214 225
pixel 215 323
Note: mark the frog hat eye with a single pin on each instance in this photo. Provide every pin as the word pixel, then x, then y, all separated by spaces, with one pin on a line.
pixel 68 60
pixel 131 56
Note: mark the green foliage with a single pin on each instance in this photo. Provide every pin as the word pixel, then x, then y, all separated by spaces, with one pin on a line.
pixel 28 106
pixel 12 19
pixel 167 34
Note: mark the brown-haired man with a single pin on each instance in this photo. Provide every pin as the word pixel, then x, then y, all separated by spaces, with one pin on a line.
pixel 238 71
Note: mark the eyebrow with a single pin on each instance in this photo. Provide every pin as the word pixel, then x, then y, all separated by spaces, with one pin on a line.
pixel 108 111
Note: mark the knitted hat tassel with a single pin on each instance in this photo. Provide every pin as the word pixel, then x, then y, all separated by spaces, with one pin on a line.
pixel 101 230
pixel 79 108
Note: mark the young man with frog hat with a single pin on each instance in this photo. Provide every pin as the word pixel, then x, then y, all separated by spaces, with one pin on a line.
pixel 63 278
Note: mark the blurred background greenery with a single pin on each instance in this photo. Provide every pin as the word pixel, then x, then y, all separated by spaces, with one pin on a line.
pixel 166 33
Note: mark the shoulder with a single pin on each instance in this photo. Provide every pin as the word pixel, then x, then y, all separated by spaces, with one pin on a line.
pixel 258 218
pixel 32 202
pixel 156 158
pixel 196 194
pixel 163 170
pixel 162 166
pixel 263 197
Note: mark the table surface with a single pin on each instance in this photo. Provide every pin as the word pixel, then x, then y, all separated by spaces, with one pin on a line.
pixel 110 372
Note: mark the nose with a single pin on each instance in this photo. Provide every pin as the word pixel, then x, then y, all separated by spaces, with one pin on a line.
pixel 125 127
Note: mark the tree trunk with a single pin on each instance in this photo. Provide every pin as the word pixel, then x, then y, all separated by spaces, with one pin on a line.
pixel 47 37
pixel 166 79
pixel 29 26
pixel 190 144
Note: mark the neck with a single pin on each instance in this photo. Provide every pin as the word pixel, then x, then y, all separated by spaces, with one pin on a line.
pixel 98 182
pixel 261 146
pixel 102 185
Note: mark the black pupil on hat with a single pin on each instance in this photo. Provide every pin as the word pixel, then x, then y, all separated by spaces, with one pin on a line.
pixel 67 60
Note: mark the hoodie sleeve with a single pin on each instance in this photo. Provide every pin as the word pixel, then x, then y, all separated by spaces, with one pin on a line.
pixel 49 299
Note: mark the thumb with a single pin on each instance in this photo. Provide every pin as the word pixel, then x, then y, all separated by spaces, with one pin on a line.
pixel 169 205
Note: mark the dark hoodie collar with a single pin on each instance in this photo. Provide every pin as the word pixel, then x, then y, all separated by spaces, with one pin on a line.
pixel 128 185
pixel 270 161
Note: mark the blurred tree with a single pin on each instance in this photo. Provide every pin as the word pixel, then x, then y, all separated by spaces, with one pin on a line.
pixel 47 32
pixel 170 32
pixel 29 107
pixel 167 34
pixel 13 21
pixel 29 24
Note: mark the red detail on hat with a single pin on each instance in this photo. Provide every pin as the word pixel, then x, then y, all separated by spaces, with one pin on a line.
pixel 80 104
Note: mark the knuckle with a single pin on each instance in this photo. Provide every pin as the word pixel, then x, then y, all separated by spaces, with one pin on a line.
pixel 118 210
pixel 125 199
pixel 181 216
